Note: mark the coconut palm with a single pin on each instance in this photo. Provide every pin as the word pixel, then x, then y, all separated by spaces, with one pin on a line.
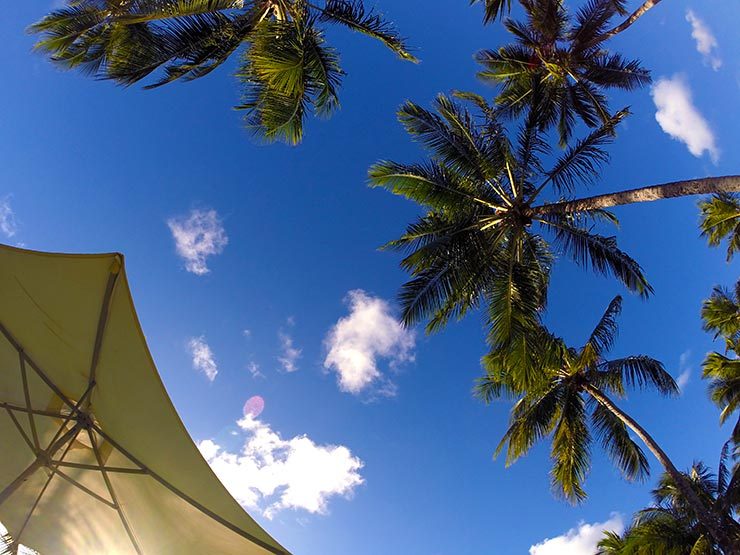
pixel 670 525
pixel 286 66
pixel 720 220
pixel 558 67
pixel 486 237
pixel 721 315
pixel 572 403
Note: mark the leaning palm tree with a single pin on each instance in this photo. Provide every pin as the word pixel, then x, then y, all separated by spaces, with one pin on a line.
pixel 721 315
pixel 558 67
pixel 720 220
pixel 572 402
pixel 670 525
pixel 486 237
pixel 286 67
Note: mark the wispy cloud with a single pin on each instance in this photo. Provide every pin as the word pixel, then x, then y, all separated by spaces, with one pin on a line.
pixel 581 540
pixel 271 474
pixel 203 358
pixel 254 370
pixel 684 368
pixel 357 341
pixel 706 42
pixel 677 116
pixel 198 236
pixel 290 354
pixel 7 218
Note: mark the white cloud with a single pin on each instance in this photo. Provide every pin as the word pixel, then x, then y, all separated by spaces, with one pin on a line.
pixel 356 342
pixel 290 353
pixel 247 333
pixel 203 358
pixel 271 474
pixel 684 367
pixel 678 117
pixel 197 237
pixel 578 541
pixel 7 218
pixel 706 43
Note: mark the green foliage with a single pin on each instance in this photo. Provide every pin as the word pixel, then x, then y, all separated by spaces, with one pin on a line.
pixel 481 242
pixel 720 220
pixel 287 69
pixel 558 68
pixel 670 526
pixel 721 315
pixel 566 403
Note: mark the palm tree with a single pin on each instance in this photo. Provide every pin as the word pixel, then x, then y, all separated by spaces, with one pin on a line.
pixel 495 9
pixel 572 397
pixel 286 67
pixel 485 236
pixel 557 66
pixel 721 315
pixel 670 525
pixel 720 219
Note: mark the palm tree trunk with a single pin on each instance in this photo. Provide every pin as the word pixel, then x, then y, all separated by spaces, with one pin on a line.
pixel 704 186
pixel 705 515
pixel 637 14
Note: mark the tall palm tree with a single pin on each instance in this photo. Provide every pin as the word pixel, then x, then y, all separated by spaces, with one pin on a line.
pixel 670 525
pixel 495 9
pixel 286 67
pixel 485 237
pixel 573 396
pixel 721 315
pixel 558 67
pixel 720 220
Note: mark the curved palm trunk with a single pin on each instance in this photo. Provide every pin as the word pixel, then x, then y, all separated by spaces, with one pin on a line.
pixel 637 14
pixel 704 186
pixel 708 518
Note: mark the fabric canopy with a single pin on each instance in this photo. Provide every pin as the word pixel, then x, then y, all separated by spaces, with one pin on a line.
pixel 94 459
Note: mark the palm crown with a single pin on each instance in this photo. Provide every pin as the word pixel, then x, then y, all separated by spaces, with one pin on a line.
pixel 569 399
pixel 558 66
pixel 479 241
pixel 670 525
pixel 287 68
pixel 721 315
pixel 720 220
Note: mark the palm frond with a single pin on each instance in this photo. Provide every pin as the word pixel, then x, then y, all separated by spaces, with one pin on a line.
pixel 621 448
pixel 352 14
pixel 720 220
pixel 583 161
pixel 603 336
pixel 570 448
pixel 638 372
pixel 599 253
pixel 493 9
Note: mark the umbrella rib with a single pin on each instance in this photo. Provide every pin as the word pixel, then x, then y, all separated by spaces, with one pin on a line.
pixel 41 493
pixel 33 411
pixel 85 489
pixel 27 395
pixel 103 318
pixel 21 430
pixel 109 469
pixel 188 499
pixel 112 493
pixel 36 368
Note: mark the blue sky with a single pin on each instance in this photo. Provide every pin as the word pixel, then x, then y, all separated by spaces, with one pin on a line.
pixel 402 465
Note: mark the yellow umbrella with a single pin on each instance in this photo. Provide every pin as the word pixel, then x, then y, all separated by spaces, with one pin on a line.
pixel 94 459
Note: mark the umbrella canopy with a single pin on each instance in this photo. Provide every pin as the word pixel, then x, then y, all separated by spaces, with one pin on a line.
pixel 93 457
